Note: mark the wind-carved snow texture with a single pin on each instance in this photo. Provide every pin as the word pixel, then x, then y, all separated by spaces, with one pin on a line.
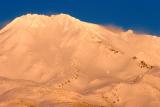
pixel 60 61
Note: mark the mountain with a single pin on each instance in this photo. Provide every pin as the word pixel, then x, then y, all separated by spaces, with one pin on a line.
pixel 60 61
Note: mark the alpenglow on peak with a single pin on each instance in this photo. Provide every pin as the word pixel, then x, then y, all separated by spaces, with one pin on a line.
pixel 36 20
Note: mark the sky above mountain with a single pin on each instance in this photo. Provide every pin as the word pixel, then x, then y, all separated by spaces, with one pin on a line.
pixel 140 15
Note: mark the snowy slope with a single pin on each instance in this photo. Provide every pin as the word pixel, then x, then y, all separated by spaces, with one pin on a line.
pixel 59 61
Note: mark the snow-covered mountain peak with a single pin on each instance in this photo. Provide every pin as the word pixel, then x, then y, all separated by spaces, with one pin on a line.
pixel 59 60
pixel 42 21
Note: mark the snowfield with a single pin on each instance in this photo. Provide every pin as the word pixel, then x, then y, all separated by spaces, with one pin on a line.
pixel 60 61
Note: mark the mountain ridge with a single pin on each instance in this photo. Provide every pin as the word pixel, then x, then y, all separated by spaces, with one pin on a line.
pixel 37 20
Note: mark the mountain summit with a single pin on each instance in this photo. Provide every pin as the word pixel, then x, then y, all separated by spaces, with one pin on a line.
pixel 61 61
pixel 37 21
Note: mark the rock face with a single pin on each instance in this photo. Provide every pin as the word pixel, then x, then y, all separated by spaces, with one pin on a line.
pixel 60 61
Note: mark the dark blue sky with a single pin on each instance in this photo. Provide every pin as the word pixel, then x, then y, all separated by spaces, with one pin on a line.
pixel 140 15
